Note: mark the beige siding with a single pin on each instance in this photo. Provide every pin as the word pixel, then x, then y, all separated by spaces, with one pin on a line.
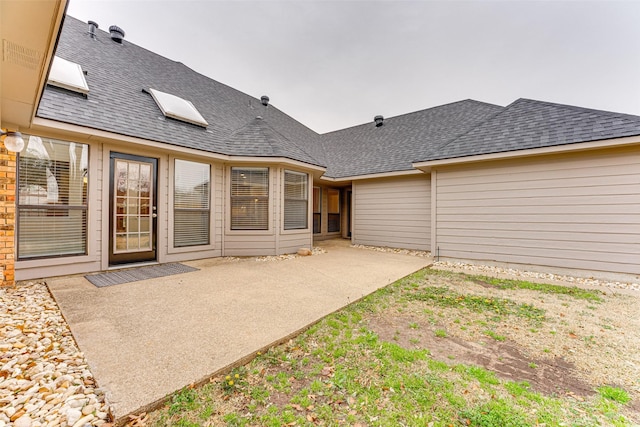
pixel 578 211
pixel 291 242
pixel 393 212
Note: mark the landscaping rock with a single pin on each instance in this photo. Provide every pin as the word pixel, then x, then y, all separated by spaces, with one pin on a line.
pixel 44 379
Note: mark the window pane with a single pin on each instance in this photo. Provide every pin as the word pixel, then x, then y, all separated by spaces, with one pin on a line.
pixel 191 200
pixel 317 209
pixel 334 201
pixel 250 182
pixel 333 196
pixel 317 200
pixel 249 198
pixel 295 200
pixel 249 214
pixel 52 198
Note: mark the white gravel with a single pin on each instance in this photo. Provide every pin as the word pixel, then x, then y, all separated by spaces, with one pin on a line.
pixel 493 270
pixel 44 378
pixel 394 250
pixel 315 251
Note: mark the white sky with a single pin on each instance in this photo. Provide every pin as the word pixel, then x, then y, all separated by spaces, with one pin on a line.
pixel 335 64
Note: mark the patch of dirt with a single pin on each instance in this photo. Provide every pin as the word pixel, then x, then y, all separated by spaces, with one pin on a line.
pixel 554 375
pixel 578 346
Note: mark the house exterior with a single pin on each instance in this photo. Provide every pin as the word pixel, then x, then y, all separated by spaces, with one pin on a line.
pixel 133 158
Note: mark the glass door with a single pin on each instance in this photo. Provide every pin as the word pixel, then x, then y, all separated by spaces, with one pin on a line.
pixel 132 209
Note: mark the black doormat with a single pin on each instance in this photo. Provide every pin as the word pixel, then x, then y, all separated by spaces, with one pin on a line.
pixel 135 274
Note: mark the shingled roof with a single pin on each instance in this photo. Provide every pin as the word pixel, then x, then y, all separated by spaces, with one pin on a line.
pixel 117 74
pixel 120 75
pixel 527 124
pixel 401 140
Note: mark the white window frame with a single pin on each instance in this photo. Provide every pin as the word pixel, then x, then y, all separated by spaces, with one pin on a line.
pixel 237 231
pixel 171 218
pixel 284 201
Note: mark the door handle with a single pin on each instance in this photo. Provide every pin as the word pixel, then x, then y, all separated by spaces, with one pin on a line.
pixel 154 215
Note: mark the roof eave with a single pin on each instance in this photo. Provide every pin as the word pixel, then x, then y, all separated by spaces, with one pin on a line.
pixel 373 175
pixel 81 133
pixel 427 165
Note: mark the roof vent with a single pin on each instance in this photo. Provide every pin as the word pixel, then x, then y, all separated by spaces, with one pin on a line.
pixel 117 33
pixel 93 26
pixel 378 121
pixel 265 100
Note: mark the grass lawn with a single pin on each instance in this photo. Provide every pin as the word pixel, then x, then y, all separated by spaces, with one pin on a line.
pixel 433 349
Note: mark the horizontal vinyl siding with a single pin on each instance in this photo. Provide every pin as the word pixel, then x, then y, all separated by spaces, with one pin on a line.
pixel 393 212
pixel 291 242
pixel 577 211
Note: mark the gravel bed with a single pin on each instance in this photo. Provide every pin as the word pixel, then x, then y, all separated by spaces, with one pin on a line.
pixel 492 270
pixel 394 250
pixel 44 378
pixel 314 251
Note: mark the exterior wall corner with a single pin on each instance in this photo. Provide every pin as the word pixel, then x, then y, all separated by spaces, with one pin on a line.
pixel 7 216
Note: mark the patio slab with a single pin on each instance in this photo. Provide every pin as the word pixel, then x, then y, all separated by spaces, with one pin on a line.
pixel 147 339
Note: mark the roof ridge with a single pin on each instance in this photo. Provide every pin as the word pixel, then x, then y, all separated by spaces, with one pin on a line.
pixel 415 112
pixel 263 125
pixel 578 108
pixel 455 138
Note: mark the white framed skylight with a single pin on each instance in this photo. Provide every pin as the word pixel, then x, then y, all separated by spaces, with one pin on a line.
pixel 67 75
pixel 177 108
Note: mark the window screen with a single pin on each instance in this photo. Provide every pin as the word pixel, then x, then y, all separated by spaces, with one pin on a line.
pixel 249 198
pixel 191 203
pixel 296 200
pixel 53 177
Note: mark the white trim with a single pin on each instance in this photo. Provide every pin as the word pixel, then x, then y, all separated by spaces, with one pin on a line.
pixel 82 134
pixel 171 249
pixel 309 226
pixel 271 230
pixel 372 176
pixel 566 148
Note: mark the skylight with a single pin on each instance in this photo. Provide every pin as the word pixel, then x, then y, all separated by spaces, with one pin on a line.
pixel 67 75
pixel 177 108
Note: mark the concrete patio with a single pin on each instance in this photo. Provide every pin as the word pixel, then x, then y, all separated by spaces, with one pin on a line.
pixel 147 339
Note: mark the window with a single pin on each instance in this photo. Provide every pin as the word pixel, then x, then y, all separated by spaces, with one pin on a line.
pixel 296 200
pixel 67 75
pixel 249 198
pixel 317 210
pixel 333 197
pixel 52 198
pixel 177 108
pixel 191 206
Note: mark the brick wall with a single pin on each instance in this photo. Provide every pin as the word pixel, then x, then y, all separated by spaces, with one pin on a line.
pixel 7 215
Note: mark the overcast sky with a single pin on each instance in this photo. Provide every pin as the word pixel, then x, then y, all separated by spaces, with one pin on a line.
pixel 335 64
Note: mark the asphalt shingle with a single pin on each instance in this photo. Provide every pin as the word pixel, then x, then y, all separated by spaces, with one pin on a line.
pixel 527 124
pixel 401 140
pixel 118 76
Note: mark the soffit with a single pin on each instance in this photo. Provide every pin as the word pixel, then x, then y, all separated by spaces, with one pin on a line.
pixel 28 33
